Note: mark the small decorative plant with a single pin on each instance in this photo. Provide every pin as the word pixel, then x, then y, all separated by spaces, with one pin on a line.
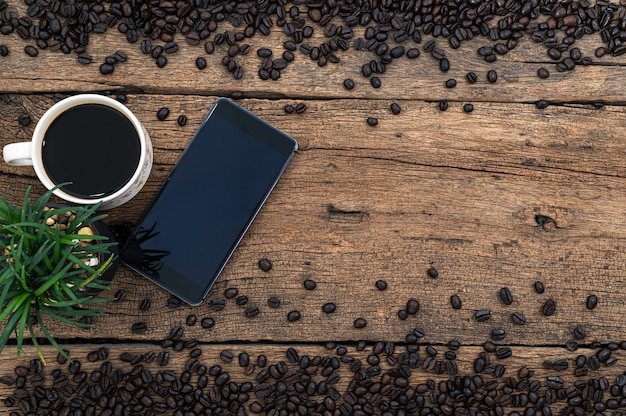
pixel 51 265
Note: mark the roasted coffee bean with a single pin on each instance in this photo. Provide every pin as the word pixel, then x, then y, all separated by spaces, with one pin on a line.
pixel 170 47
pixel 293 316
pixel 74 367
pixel 455 301
pixel 468 108
pixel 403 314
pixel 176 333
pixel 251 311
pixel 541 104
pixel 549 307
pixel 443 105
pixel 539 288
pixel 31 51
pixel 482 315
pixel 7 380
pixel 24 119
pixel 182 120
pixel 413 53
pixel 603 354
pixel 348 84
pixel 451 83
pixel 372 121
pixel 144 305
pixel 231 292
pixel 191 320
pixel 375 81
pixel 265 265
pixel 106 69
pixel 217 304
pixel 120 56
pixel 444 65
pixel 593 363
pixel 139 328
pixel 289 109
pixel 146 46
pixel 300 108
pixel 498 334
pixel 360 323
pixel 273 302
pixel 555 382
pixel 200 63
pixel 163 358
pixel 161 61
pixel 492 76
pixel 226 356
pixel 395 109
pixel 163 113
pixel 437 53
pixel 412 306
pixel 505 296
pixel 579 332
pixel 241 300
pixel 264 53
pixel 592 302
pixel 207 323
pixel 4 50
pixel 504 352
pixel 518 318
pixel 120 295
pixel 560 364
pixel 381 285
pixel 471 77
pixel 543 73
pixel 329 307
pixel 261 361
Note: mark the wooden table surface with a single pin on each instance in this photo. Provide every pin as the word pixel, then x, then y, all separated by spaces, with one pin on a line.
pixel 504 196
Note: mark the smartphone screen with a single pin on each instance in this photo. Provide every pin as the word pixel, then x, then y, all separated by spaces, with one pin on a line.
pixel 208 201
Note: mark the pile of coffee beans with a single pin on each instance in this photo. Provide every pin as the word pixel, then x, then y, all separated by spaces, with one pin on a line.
pixel 412 377
pixel 381 379
pixel 386 29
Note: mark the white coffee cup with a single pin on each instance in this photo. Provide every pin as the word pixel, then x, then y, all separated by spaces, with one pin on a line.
pixel 30 153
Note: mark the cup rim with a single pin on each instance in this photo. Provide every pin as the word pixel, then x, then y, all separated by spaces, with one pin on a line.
pixel 74 101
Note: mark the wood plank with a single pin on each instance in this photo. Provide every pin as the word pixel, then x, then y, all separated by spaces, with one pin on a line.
pixel 418 79
pixel 455 191
pixel 530 358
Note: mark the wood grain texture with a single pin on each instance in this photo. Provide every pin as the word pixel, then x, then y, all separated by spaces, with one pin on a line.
pixel 503 196
pixel 530 358
pixel 455 191
pixel 408 79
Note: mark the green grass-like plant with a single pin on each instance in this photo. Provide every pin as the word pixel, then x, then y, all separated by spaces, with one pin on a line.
pixel 45 271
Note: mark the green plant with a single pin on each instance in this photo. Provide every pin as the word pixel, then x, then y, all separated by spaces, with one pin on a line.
pixel 45 270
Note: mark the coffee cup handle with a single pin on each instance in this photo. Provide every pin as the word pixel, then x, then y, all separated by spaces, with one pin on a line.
pixel 18 154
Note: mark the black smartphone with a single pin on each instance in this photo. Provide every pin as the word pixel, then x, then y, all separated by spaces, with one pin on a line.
pixel 208 201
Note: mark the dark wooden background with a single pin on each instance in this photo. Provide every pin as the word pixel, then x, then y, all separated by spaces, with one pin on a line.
pixel 456 191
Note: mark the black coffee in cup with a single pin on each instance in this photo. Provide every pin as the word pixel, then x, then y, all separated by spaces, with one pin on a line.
pixel 93 147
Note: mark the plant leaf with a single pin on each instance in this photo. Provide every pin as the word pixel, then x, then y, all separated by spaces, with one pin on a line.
pixel 8 329
pixel 20 328
pixel 42 201
pixel 50 338
pixel 98 272
pixel 6 275
pixel 82 218
pixel 73 302
pixel 60 318
pixel 52 280
pixel 35 343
